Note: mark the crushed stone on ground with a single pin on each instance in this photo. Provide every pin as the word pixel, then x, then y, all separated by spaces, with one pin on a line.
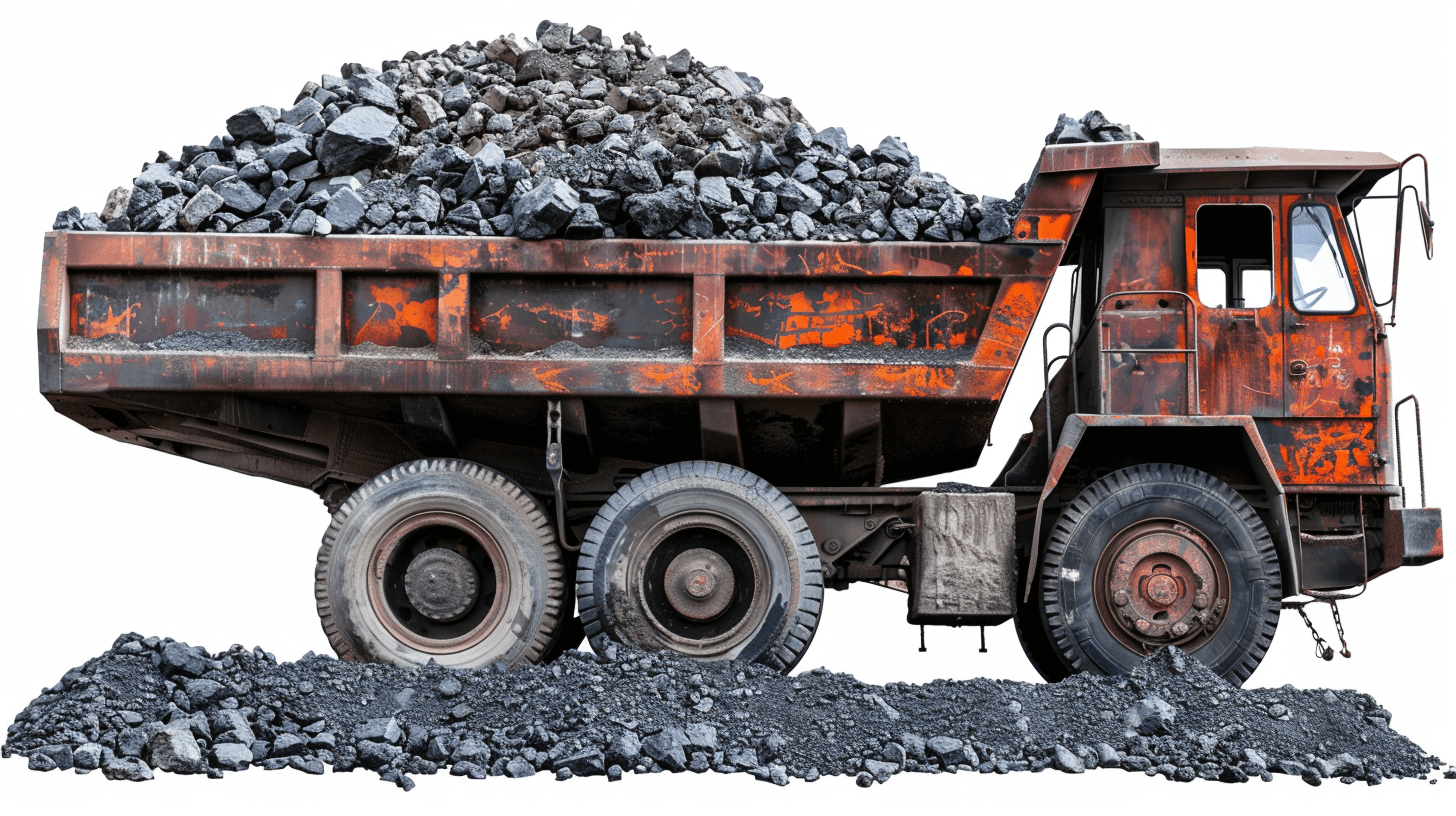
pixel 566 136
pixel 152 704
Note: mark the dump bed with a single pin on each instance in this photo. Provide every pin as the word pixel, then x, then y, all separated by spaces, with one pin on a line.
pixel 276 354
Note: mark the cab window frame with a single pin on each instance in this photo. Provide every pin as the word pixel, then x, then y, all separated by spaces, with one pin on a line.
pixel 1228 264
pixel 1339 250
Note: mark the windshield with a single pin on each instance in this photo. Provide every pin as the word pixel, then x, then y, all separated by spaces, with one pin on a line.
pixel 1320 283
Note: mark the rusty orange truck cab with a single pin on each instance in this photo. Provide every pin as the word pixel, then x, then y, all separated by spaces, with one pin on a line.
pixel 686 442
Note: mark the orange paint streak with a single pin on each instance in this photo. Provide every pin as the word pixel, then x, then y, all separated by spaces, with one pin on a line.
pixel 113 324
pixel 595 321
pixel 394 312
pixel 681 380
pixel 548 380
pixel 774 382
pixel 917 381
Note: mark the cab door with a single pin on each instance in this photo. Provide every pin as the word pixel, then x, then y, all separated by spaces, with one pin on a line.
pixel 1329 346
pixel 1231 242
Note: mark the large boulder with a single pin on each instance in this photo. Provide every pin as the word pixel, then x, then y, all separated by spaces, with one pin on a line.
pixel 362 136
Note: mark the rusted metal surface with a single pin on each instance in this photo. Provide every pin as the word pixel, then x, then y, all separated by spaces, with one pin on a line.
pixel 401 311
pixel 391 311
pixel 117 305
pixel 1202 160
pixel 517 315
pixel 1147 363
pixel 1160 583
pixel 1062 158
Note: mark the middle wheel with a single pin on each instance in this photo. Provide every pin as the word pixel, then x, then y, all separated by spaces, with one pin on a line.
pixel 704 559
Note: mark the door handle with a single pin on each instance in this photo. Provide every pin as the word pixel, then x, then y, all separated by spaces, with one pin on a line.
pixel 1298 368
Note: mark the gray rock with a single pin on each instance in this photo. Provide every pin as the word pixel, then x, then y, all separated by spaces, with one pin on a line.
pixel 288 155
pixel 833 139
pixel 362 136
pixel 287 745
pixel 587 762
pixel 231 756
pixel 667 748
pixel 1150 716
pixel 253 125
pixel 713 194
pixel 624 750
pixel 545 209
pixel 87 756
pixel 174 749
pixel 193 213
pixel 881 771
pixel 40 761
pixel 554 36
pixel 373 92
pixel 129 769
pixel 945 750
pixel 1068 762
pixel 375 755
pixel 383 729
pixel 518 768
pixel 700 737
pixel 892 149
pixel 345 210
pixel 115 206
pixel 800 225
pixel 658 213
pixel 1106 756
pixel 179 658
pixel 795 195
pixel 472 750
pixel 637 176
pixel 303 222
pixel 202 692
pixel 585 223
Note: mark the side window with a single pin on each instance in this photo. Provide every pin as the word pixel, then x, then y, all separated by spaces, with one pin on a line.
pixel 1212 285
pixel 1235 256
pixel 1319 281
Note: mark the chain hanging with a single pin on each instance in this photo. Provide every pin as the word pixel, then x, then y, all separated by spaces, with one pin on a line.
pixel 1322 649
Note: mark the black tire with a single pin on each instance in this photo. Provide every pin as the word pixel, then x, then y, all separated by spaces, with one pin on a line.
pixel 1166 538
pixel 570 635
pixel 502 537
pixel 670 516
pixel 1036 644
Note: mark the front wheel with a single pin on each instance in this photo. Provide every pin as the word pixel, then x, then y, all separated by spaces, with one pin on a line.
pixel 1159 555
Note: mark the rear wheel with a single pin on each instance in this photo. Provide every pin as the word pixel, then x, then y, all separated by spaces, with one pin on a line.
pixel 703 559
pixel 440 559
pixel 1159 555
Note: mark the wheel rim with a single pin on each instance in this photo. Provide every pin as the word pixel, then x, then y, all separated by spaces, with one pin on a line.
pixel 1161 582
pixel 437 582
pixel 696 576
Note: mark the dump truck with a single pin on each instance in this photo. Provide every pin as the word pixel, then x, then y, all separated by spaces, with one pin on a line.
pixel 681 444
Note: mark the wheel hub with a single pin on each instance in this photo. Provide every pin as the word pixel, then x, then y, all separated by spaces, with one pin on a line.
pixel 441 584
pixel 1161 582
pixel 699 584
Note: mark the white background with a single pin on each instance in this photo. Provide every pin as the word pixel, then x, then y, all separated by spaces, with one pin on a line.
pixel 103 538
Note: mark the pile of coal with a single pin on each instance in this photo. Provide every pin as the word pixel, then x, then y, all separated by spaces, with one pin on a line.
pixel 153 704
pixel 567 136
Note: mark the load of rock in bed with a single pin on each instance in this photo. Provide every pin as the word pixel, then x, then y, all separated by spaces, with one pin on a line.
pixel 568 136
pixel 154 704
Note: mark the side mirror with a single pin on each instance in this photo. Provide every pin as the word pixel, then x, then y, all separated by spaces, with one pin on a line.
pixel 1428 226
